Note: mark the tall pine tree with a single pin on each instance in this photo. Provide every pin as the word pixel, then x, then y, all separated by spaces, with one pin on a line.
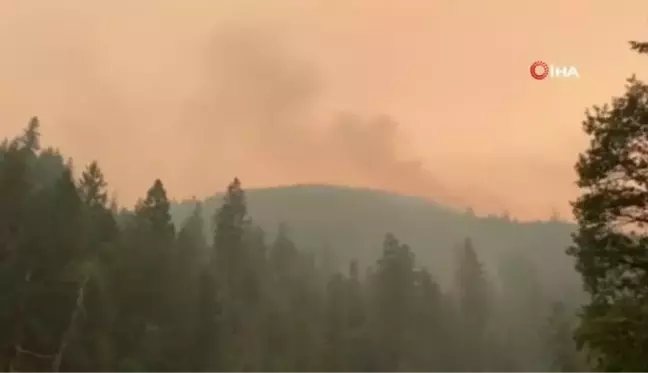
pixel 611 244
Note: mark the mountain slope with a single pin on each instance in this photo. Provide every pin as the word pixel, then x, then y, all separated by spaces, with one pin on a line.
pixel 351 223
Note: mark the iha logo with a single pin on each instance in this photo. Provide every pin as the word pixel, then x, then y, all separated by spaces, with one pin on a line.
pixel 540 70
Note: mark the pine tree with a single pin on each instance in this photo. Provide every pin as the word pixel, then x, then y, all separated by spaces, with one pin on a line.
pixel 206 356
pixel 154 212
pixel 429 339
pixel 474 305
pixel 31 136
pixel 101 225
pixel 54 275
pixel 472 289
pixel 158 232
pixel 15 188
pixel 92 187
pixel 283 256
pixel 395 279
pixel 336 324
pixel 522 309
pixel 232 271
pixel 142 281
pixel 358 352
pixel 84 287
pixel 89 333
pixel 189 260
pixel 280 336
pixel 231 221
pixel 611 244
pixel 559 340
pixel 16 184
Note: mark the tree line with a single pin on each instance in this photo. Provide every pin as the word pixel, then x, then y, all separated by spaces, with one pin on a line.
pixel 86 286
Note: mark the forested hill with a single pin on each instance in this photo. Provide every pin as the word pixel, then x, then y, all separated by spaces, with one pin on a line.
pixel 89 287
pixel 351 224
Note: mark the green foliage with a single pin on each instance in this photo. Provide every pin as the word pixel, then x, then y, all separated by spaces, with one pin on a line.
pixel 85 287
pixel 561 347
pixel 472 289
pixel 340 224
pixel 611 244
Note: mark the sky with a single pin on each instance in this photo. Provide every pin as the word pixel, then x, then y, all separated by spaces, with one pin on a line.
pixel 421 97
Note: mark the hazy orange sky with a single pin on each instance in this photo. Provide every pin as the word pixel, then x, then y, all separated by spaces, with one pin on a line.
pixel 197 92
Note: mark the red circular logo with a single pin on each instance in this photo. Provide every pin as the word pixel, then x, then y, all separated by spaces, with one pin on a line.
pixel 539 65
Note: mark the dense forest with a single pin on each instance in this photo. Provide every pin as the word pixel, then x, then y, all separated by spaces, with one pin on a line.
pixel 349 224
pixel 325 278
pixel 89 286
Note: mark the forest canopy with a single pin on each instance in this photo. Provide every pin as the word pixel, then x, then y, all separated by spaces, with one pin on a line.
pixel 203 286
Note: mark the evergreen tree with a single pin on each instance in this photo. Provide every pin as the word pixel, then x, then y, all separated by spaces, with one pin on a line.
pixel 153 211
pixel 184 293
pixel 15 188
pixel 560 345
pixel 55 254
pixel 474 305
pixel 395 287
pixel 205 357
pixel 85 287
pixel 101 225
pixel 30 139
pixel 283 256
pixel 142 281
pixel 611 244
pixel 231 221
pixel 522 310
pixel 430 339
pixel 280 336
pixel 232 269
pixel 472 289
pixel 89 345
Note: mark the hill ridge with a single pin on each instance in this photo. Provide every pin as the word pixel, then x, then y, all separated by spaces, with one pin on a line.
pixel 352 222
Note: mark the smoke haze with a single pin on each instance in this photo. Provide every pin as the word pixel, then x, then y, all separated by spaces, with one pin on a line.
pixel 427 97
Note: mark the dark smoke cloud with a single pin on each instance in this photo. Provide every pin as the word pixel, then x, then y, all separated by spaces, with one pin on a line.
pixel 195 106
pixel 269 98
